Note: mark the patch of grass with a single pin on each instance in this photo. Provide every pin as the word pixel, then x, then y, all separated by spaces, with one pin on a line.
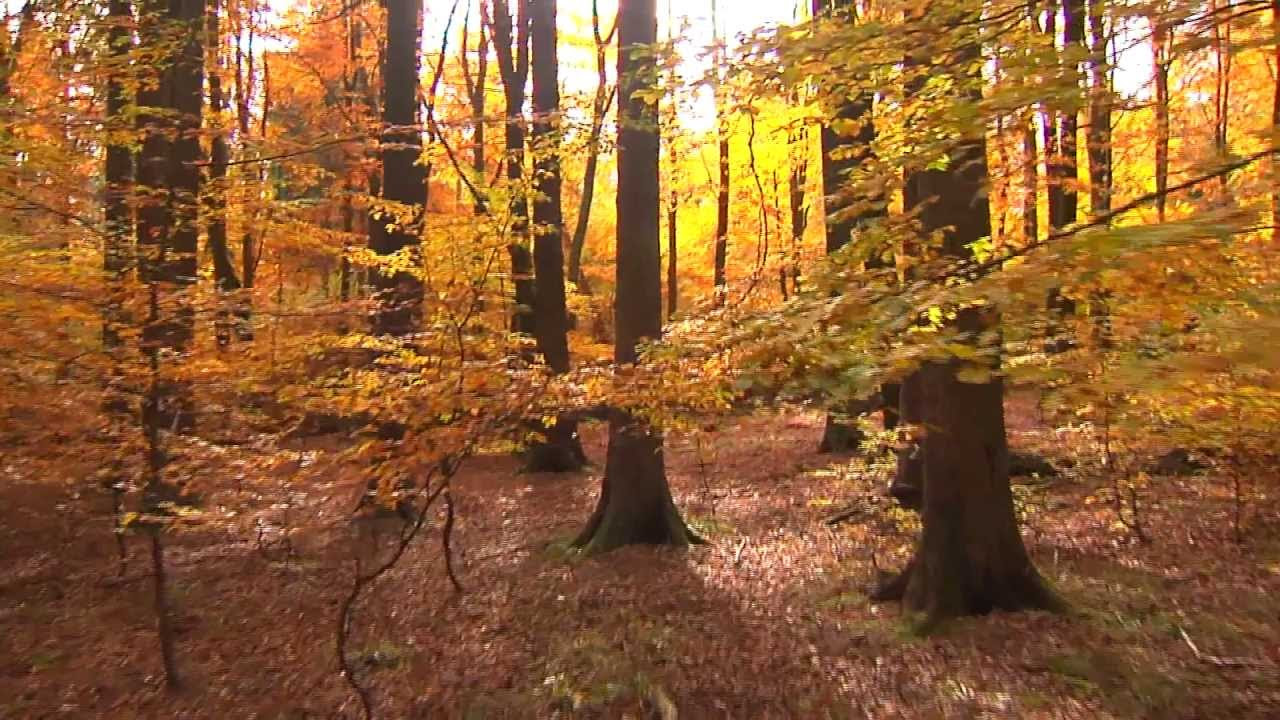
pixel 709 526
pixel 561 550
pixel 382 656
pixel 42 660
pixel 1129 687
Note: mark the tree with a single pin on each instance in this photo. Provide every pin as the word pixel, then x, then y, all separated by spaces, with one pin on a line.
pixel 404 179
pixel 225 278
pixel 721 259
pixel 635 503
pixel 477 86
pixel 512 47
pixel 599 109
pixel 1162 63
pixel 1099 135
pixel 562 450
pixel 118 170
pixel 970 558
pixel 841 155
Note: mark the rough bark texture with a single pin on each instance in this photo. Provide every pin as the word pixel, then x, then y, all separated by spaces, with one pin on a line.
pixel 403 179
pixel 635 501
pixel 561 451
pixel 970 558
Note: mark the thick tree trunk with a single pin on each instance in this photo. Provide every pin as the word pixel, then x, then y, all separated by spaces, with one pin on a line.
pixel 403 179
pixel 561 450
pixel 970 558
pixel 635 502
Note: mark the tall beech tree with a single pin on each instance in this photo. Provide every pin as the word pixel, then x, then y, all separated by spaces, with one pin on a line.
pixel 404 179
pixel 970 558
pixel 511 45
pixel 118 170
pixel 723 189
pixel 841 154
pixel 1100 103
pixel 561 449
pixel 635 503
pixel 604 95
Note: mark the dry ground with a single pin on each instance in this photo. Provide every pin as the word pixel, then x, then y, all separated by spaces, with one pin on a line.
pixel 768 621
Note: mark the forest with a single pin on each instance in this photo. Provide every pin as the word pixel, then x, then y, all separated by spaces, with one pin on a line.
pixel 638 359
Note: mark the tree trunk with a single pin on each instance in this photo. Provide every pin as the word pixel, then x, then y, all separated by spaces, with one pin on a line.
pixel 599 109
pixel 970 558
pixel 224 270
pixel 512 47
pixel 1099 135
pixel 117 255
pixel 1161 39
pixel 1275 129
pixel 799 207
pixel 561 450
pixel 477 87
pixel 403 179
pixel 721 249
pixel 1069 119
pixel 635 501
pixel 839 436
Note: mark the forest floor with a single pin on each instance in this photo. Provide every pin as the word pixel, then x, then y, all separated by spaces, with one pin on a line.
pixel 769 620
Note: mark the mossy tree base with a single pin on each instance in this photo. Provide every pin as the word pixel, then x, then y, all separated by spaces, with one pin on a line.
pixel 970 559
pixel 635 506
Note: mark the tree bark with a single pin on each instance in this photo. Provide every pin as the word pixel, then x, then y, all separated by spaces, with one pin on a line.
pixel 1100 102
pixel 970 557
pixel 635 501
pixel 477 87
pixel 789 273
pixel 1275 129
pixel 839 436
pixel 117 255
pixel 721 249
pixel 404 182
pixel 561 450
pixel 1161 41
pixel 599 109
pixel 512 47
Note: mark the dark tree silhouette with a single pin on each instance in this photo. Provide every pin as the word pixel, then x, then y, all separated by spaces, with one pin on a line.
pixel 635 503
